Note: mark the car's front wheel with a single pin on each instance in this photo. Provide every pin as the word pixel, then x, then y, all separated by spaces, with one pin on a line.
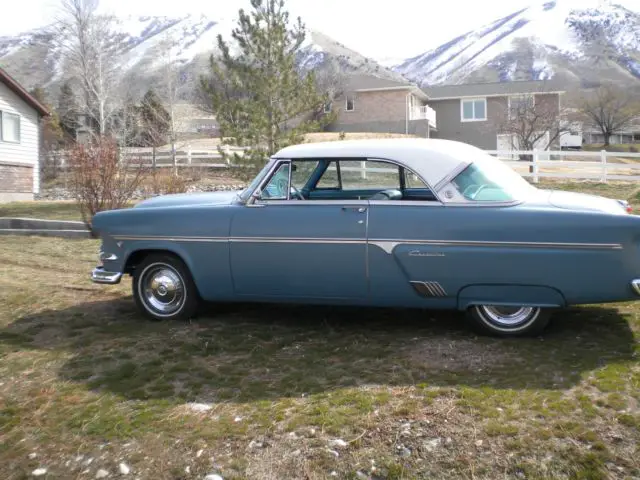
pixel 163 288
pixel 507 321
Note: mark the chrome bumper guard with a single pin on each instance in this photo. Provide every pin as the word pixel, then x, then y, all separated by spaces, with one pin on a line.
pixel 99 275
pixel 636 285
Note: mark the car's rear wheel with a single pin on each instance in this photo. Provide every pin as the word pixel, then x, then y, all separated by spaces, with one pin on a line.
pixel 163 288
pixel 508 321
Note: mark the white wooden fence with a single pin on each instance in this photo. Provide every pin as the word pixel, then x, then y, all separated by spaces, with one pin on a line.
pixel 597 166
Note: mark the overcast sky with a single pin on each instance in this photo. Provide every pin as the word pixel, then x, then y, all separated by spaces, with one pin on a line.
pixel 379 29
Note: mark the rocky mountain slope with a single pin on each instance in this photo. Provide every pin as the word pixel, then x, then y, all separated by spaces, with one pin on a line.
pixel 32 59
pixel 584 41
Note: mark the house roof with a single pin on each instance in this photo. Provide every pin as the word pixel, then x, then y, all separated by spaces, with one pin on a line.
pixel 372 83
pixel 19 90
pixel 492 89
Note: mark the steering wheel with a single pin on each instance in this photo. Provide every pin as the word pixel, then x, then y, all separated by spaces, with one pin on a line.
pixel 480 188
pixel 297 193
pixel 473 195
pixel 465 192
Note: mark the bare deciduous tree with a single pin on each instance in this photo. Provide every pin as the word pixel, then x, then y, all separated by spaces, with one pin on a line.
pixel 331 82
pixel 533 121
pixel 175 85
pixel 609 108
pixel 91 53
pixel 101 179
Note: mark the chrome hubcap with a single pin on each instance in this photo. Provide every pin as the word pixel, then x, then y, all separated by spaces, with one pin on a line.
pixel 507 316
pixel 162 289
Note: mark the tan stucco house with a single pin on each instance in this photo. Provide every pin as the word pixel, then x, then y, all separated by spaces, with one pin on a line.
pixel 470 113
pixel 20 139
pixel 372 104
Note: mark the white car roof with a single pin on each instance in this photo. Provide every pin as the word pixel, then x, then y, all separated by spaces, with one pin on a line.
pixel 432 159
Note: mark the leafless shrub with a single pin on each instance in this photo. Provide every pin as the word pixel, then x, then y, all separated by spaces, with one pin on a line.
pixel 164 183
pixel 100 179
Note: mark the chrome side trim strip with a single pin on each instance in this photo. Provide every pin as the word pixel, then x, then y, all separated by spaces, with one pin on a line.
pixel 387 245
pixel 346 241
pixel 171 239
pixel 636 285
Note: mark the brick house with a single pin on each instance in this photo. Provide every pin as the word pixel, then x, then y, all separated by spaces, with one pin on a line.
pixel 20 138
pixel 373 104
pixel 474 113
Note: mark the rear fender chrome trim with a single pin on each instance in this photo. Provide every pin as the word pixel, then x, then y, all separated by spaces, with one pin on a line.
pixel 635 284
pixel 428 289
pixel 389 245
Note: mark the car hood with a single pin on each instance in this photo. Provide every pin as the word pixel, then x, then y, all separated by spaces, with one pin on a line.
pixel 178 199
pixel 583 202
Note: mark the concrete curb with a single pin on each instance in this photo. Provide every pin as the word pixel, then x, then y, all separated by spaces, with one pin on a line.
pixel 43 227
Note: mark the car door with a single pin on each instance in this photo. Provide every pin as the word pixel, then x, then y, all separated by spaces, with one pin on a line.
pixel 284 246
pixel 403 268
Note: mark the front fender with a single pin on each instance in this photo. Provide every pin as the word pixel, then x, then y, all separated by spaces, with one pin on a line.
pixel 510 295
pixel 208 263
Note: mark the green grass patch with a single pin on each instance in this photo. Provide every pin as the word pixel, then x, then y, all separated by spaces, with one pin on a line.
pixel 62 210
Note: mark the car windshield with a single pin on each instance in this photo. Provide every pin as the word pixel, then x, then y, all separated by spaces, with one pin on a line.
pixel 490 180
pixel 244 195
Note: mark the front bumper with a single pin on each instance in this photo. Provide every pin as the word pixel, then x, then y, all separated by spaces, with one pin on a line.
pixel 99 275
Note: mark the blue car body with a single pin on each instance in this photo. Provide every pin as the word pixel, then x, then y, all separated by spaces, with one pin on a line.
pixel 432 248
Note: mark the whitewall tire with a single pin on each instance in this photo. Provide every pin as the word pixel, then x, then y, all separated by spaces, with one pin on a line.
pixel 509 321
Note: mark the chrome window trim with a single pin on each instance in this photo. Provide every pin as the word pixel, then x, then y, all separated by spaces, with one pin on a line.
pixel 279 160
pixel 314 202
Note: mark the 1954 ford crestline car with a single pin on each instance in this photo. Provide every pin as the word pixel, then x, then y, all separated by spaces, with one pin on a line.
pixel 422 223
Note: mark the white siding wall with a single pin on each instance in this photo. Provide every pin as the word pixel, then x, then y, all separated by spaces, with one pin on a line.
pixel 28 150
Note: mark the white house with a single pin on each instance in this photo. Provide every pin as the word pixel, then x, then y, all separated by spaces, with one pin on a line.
pixel 20 134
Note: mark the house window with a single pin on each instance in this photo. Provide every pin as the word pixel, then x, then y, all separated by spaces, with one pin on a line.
pixel 9 127
pixel 350 104
pixel 327 107
pixel 473 109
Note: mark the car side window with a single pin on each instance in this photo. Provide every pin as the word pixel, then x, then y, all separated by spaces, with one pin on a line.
pixel 302 171
pixel 411 180
pixel 278 186
pixel 369 175
pixel 330 178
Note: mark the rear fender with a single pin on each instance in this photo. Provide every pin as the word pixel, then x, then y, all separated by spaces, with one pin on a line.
pixel 510 295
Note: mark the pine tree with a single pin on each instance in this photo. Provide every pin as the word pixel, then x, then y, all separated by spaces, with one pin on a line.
pixel 262 101
pixel 156 121
pixel 68 110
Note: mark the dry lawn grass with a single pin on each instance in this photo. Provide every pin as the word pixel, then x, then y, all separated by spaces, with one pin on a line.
pixel 273 392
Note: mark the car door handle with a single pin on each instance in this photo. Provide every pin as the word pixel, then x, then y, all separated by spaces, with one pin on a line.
pixel 355 209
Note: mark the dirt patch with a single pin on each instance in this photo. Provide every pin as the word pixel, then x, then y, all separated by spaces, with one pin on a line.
pixel 457 355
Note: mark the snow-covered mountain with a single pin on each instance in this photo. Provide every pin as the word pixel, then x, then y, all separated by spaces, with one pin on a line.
pixel 583 41
pixel 32 59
